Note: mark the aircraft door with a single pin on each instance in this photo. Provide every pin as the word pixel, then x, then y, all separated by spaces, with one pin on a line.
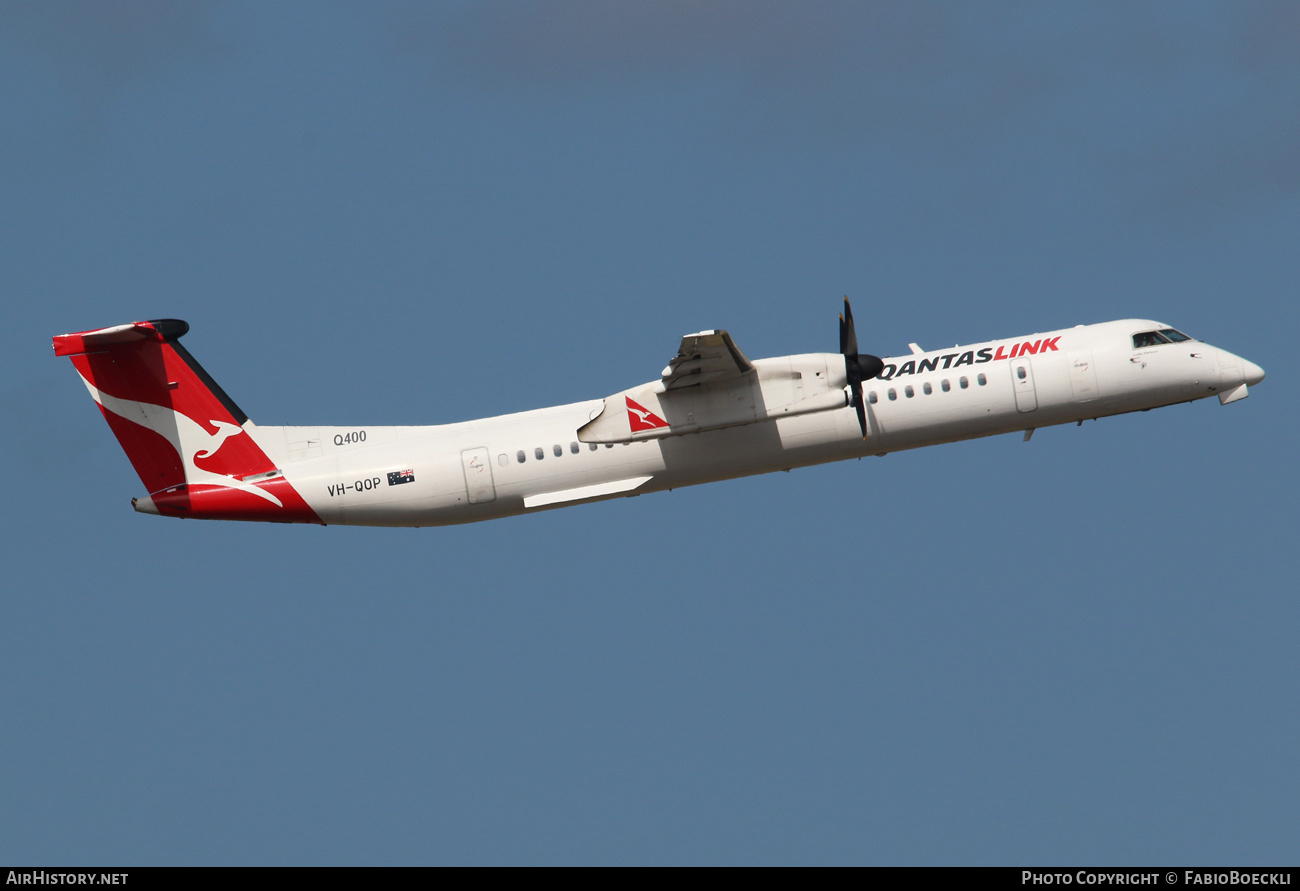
pixel 478 476
pixel 1022 380
pixel 1083 375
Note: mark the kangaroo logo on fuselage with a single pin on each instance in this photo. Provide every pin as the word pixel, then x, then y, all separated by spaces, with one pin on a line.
pixel 641 418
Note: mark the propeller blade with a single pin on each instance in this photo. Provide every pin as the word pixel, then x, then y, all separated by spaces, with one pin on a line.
pixel 859 404
pixel 848 336
pixel 858 367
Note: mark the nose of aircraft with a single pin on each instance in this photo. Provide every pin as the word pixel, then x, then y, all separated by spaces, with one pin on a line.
pixel 1236 371
pixel 1236 377
pixel 1252 373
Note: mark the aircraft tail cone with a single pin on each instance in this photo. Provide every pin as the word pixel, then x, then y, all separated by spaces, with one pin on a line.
pixel 145 505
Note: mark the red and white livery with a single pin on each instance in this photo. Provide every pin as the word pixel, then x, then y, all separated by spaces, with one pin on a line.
pixel 713 414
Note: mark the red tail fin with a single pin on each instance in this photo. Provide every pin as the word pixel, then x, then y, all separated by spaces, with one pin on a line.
pixel 185 437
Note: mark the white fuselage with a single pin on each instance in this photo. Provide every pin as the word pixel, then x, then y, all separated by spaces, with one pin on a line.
pixel 518 463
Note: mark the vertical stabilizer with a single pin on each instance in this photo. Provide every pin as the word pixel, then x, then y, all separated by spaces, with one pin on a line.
pixel 186 439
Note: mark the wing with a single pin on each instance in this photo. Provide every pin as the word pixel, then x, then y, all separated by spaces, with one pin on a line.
pixel 705 358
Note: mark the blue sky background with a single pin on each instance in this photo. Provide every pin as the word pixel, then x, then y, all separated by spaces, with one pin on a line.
pixel 1081 650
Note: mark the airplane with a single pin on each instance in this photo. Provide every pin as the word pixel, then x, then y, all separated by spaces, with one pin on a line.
pixel 712 414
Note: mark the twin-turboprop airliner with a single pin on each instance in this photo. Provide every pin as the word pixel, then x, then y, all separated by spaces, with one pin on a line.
pixel 712 414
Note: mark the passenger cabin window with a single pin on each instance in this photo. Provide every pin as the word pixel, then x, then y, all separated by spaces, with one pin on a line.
pixel 927 388
pixel 592 446
pixel 519 456
pixel 557 450
pixel 962 382
pixel 872 397
pixel 982 379
pixel 1020 372
pixel 908 391
pixel 573 448
pixel 946 386
pixel 893 394
pixel 502 459
pixel 538 453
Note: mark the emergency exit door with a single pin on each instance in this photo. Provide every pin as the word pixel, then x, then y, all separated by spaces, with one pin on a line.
pixel 1022 380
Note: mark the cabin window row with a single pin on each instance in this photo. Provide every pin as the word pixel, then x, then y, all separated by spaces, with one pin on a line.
pixel 539 452
pixel 927 388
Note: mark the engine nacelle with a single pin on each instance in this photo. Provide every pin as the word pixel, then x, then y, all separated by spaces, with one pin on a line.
pixel 776 388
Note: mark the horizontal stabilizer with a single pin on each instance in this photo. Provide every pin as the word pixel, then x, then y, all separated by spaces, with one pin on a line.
pixel 118 335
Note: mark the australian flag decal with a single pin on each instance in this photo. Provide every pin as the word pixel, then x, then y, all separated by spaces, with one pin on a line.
pixel 397 477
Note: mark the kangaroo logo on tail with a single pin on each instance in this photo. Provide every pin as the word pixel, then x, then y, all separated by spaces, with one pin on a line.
pixel 225 430
pixel 185 434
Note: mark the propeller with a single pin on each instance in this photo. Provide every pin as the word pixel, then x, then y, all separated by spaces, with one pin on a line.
pixel 858 366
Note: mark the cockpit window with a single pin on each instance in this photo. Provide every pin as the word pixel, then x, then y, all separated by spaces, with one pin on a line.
pixel 1148 339
pixel 1155 338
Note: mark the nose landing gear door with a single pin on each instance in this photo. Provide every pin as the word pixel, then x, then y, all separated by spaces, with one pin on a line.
pixel 478 476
